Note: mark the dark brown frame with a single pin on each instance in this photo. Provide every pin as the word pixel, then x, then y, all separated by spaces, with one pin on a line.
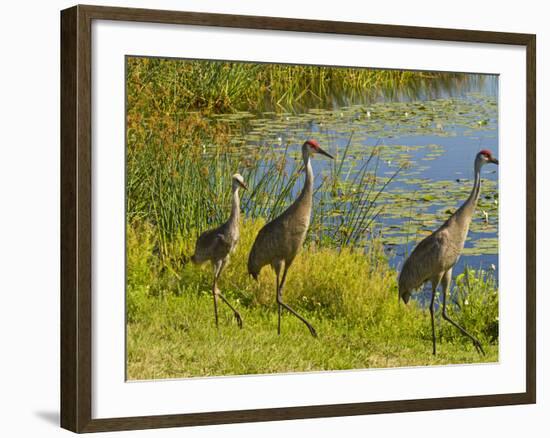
pixel 76 218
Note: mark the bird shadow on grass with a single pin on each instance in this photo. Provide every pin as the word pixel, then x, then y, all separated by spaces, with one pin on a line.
pixel 51 417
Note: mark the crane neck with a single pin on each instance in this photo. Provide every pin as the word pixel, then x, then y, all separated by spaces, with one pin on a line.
pixel 469 206
pixel 308 184
pixel 476 189
pixel 235 206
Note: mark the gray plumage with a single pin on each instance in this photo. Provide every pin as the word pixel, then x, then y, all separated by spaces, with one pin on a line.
pixel 434 257
pixel 279 241
pixel 216 245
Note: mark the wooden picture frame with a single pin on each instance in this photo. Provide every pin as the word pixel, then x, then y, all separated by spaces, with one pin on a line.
pixel 76 218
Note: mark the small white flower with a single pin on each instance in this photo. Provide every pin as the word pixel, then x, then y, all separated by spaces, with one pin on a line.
pixel 466 302
pixel 493 267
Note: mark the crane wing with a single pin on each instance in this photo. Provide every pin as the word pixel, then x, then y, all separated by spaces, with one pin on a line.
pixel 426 261
pixel 211 245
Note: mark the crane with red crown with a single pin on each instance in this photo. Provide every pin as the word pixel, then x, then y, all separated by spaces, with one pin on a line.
pixel 278 241
pixel 434 257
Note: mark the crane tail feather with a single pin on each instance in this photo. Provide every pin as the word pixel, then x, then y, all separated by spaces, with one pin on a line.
pixel 197 259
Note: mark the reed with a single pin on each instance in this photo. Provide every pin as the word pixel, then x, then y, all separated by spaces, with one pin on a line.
pixel 165 86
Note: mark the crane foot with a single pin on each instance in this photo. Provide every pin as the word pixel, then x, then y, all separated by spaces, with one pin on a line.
pixel 479 348
pixel 239 320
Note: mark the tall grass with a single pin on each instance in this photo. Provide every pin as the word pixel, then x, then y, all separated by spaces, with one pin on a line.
pixel 474 303
pixel 348 208
pixel 166 86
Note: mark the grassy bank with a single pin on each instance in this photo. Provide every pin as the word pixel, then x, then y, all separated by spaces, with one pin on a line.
pixel 350 297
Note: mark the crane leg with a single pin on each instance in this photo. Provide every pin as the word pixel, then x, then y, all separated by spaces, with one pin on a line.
pixel 217 270
pixel 435 284
pixel 217 293
pixel 280 303
pixel 277 272
pixel 445 282
pixel 237 314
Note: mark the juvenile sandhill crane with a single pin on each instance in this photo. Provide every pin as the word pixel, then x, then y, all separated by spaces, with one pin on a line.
pixel 278 241
pixel 434 257
pixel 216 245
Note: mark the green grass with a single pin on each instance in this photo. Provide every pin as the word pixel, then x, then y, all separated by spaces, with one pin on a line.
pixel 350 297
pixel 177 338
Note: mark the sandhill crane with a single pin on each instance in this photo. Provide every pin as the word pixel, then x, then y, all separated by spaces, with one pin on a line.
pixel 278 241
pixel 216 245
pixel 434 257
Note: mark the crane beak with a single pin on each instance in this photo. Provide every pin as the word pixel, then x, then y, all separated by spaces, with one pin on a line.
pixel 243 185
pixel 326 154
pixel 494 160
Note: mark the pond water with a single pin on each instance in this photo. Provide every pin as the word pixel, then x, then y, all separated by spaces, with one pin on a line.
pixel 430 137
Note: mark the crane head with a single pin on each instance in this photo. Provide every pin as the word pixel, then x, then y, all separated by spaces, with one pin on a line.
pixel 486 156
pixel 314 148
pixel 238 181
